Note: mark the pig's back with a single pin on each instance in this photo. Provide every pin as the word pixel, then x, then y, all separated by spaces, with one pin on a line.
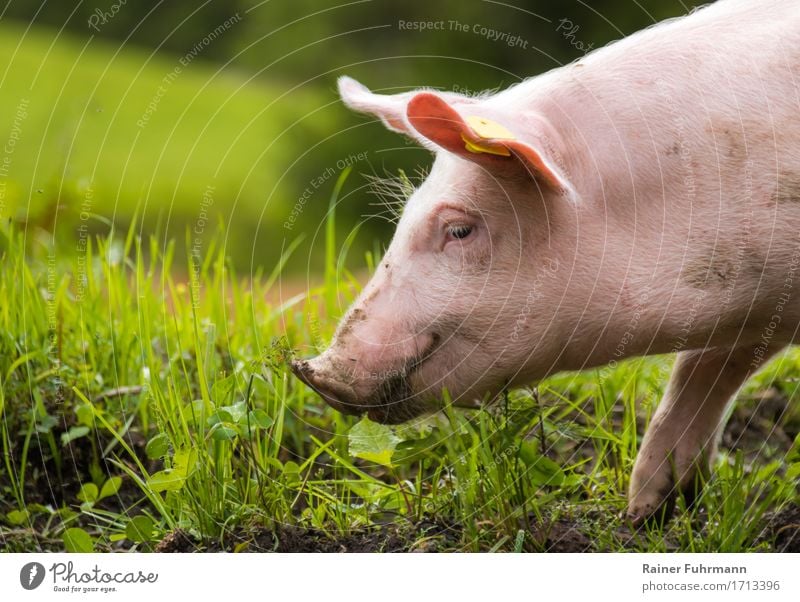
pixel 714 93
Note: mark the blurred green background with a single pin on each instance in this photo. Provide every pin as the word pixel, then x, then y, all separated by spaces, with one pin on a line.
pixel 190 115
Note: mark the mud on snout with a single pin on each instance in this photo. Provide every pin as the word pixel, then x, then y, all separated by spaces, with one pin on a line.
pixel 388 396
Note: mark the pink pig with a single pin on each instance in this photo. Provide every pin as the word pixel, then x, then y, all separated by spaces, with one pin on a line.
pixel 642 200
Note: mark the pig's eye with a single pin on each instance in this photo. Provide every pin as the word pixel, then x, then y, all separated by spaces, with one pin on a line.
pixel 458 231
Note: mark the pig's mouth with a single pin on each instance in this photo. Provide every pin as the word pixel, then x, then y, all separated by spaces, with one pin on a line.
pixel 393 401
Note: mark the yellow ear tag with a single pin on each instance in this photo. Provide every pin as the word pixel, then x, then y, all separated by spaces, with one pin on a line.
pixel 487 129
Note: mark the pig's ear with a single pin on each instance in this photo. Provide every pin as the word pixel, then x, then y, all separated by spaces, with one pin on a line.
pixel 390 108
pixel 483 141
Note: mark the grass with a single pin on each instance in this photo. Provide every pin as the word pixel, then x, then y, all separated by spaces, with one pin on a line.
pixel 137 409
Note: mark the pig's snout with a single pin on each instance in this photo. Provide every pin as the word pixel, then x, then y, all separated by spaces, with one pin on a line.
pixel 370 368
pixel 338 395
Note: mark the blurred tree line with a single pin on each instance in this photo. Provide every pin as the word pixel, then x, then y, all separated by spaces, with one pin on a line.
pixel 308 43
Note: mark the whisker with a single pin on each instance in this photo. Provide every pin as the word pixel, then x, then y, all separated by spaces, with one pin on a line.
pixel 393 191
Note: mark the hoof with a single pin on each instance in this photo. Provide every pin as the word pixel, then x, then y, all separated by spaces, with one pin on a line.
pixel 651 515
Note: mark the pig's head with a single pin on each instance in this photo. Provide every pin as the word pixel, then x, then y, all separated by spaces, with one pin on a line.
pixel 466 292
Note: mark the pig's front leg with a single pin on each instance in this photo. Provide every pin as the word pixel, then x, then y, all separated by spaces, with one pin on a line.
pixel 680 443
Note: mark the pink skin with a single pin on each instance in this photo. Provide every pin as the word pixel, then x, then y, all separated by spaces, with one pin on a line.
pixel 398 346
pixel 642 207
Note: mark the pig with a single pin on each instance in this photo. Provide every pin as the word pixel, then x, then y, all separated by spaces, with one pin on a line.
pixel 644 199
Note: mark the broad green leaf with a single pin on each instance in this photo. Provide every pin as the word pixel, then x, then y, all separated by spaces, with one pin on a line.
pixel 224 431
pixel 254 421
pixel 236 411
pixel 78 540
pixel 46 423
pixel 222 389
pixel 172 479
pixel 166 480
pixel 157 447
pixel 291 471
pixel 140 529
pixel 88 493
pixel 373 442
pixel 260 419
pixel 545 472
pixel 233 413
pixel 274 462
pixel 184 460
pixel 365 489
pixel 551 473
pixel 18 517
pixel 529 452
pixel 110 487
pixel 85 414
pixel 196 410
pixel 76 432
pixel 67 514
pixel 541 469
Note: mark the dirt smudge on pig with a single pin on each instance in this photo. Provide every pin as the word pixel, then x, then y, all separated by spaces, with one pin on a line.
pixel 721 264
pixel 787 190
pixel 356 316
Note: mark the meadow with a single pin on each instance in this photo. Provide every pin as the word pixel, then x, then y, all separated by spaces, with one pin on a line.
pixel 124 132
pixel 152 295
pixel 142 411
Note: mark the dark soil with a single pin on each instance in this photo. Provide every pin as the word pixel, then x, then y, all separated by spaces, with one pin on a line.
pixel 425 536
pixel 783 530
pixel 54 478
pixel 567 535
pixel 46 485
pixel 561 536
pixel 762 427
pixel 564 536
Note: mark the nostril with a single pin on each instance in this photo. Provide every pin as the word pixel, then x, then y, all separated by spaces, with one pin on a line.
pixel 300 368
pixel 303 371
pixel 336 394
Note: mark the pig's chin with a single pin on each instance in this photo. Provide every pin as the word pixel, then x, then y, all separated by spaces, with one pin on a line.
pixel 399 412
pixel 387 415
pixel 396 402
pixel 399 399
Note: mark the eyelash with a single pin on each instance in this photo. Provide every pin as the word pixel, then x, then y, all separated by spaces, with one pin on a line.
pixel 459 231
